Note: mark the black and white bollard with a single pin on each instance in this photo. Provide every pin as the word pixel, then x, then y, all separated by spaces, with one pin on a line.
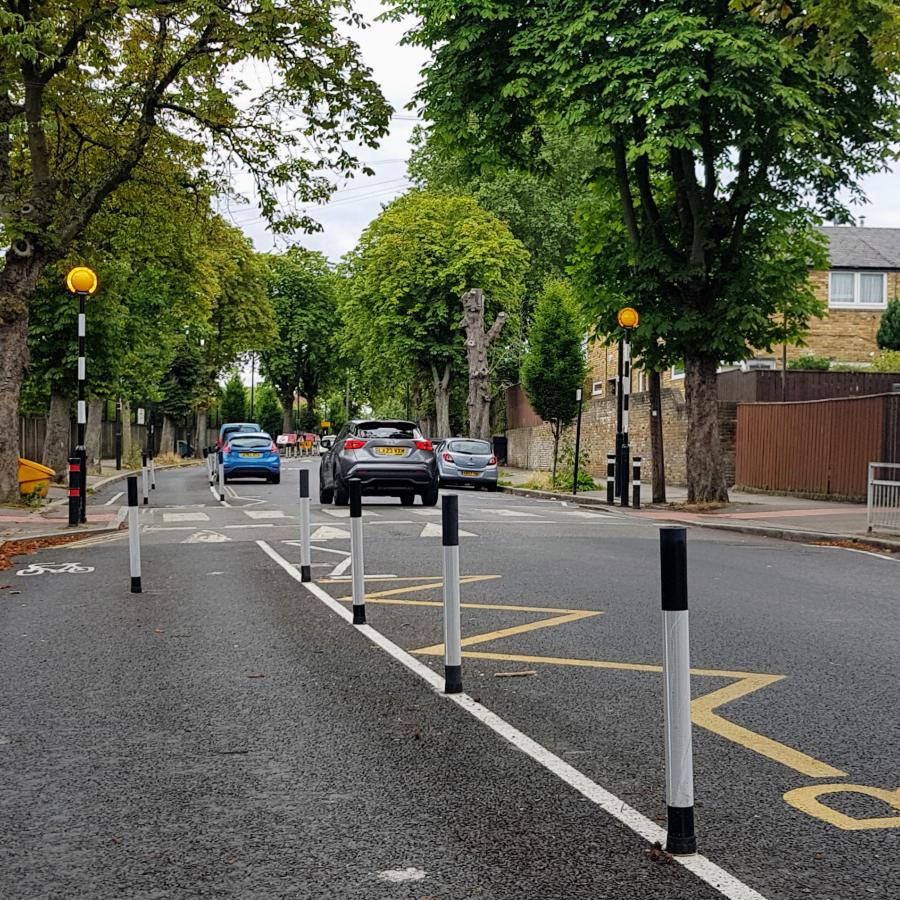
pixel 145 478
pixel 636 482
pixel 208 462
pixel 134 535
pixel 680 837
pixel 150 455
pixel 74 489
pixel 610 478
pixel 452 626
pixel 356 553
pixel 220 474
pixel 305 549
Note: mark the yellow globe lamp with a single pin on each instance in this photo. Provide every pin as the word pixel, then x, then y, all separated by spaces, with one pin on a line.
pixel 81 280
pixel 628 317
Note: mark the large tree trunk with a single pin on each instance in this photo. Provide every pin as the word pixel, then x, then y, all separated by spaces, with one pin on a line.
pixel 93 436
pixel 126 432
pixel 58 436
pixel 656 440
pixel 200 441
pixel 441 400
pixel 167 438
pixel 477 342
pixel 705 471
pixel 13 359
pixel 287 416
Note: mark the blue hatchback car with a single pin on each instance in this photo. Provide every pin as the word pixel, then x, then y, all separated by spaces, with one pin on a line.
pixel 251 455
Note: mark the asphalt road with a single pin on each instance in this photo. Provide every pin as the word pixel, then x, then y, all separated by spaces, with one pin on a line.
pixel 225 734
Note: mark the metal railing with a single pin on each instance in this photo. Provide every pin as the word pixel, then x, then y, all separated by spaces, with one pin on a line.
pixel 883 507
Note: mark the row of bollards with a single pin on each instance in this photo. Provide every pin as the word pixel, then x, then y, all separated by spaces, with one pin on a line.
pixel 635 482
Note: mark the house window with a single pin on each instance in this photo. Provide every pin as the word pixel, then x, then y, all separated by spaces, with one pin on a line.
pixel 678 372
pixel 597 389
pixel 856 290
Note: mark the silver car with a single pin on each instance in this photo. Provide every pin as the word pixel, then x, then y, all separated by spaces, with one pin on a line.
pixel 467 461
pixel 389 457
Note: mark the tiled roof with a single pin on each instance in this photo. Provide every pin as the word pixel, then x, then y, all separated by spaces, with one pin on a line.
pixel 863 248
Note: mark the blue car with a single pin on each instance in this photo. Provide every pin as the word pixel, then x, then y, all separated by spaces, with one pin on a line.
pixel 251 455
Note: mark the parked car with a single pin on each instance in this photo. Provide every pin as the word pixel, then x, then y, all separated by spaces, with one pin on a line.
pixel 230 427
pixel 467 461
pixel 251 455
pixel 390 457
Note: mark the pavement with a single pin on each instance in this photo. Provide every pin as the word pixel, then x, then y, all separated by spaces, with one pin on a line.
pixel 51 518
pixel 228 733
pixel 771 515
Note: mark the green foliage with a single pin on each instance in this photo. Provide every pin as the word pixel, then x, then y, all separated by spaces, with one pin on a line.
pixel 810 363
pixel 554 366
pixel 304 351
pixel 565 478
pixel 888 336
pixel 234 400
pixel 887 361
pixel 267 410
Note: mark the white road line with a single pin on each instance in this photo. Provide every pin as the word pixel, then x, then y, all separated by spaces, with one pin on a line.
pixel 113 499
pixel 215 494
pixel 317 547
pixel 699 865
pixel 867 553
pixel 267 514
pixel 341 567
pixel 341 512
pixel 185 517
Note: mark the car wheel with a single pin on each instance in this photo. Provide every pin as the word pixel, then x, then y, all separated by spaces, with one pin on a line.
pixel 430 497
pixel 276 479
pixel 492 488
pixel 407 499
pixel 341 494
pixel 326 495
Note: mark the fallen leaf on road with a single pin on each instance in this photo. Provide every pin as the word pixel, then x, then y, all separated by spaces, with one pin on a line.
pixel 522 674
pixel 657 854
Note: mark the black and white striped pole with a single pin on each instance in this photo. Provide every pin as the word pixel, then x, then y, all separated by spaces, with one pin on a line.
pixel 145 478
pixel 81 281
pixel 628 319
pixel 74 490
pixel 220 475
pixel 636 483
pixel 610 478
pixel 680 837
pixel 452 626
pixel 134 535
pixel 305 549
pixel 152 469
pixel 357 564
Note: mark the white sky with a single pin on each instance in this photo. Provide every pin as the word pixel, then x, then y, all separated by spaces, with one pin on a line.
pixel 356 203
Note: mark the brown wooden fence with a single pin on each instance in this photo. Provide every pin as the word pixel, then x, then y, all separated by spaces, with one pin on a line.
pixel 766 385
pixel 821 447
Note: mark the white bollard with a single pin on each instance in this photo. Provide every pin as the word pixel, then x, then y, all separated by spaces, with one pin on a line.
pixel 220 468
pixel 356 553
pixel 152 472
pixel 145 478
pixel 134 535
pixel 452 626
pixel 305 549
pixel 677 675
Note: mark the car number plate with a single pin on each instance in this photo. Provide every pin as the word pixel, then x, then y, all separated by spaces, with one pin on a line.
pixel 471 474
pixel 391 451
pixel 249 455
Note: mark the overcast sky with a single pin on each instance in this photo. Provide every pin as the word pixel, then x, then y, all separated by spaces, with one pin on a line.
pixel 356 203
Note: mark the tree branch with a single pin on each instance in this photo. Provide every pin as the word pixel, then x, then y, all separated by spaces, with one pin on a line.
pixel 625 198
pixel 698 213
pixel 645 192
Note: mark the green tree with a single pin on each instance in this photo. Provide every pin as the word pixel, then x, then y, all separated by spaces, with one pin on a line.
pixel 91 90
pixel 304 350
pixel 554 366
pixel 888 336
pixel 234 400
pixel 268 410
pixel 721 134
pixel 407 275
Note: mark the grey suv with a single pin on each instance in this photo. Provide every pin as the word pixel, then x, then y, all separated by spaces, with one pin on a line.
pixel 389 457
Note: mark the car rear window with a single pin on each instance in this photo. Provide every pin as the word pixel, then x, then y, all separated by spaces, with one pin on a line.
pixel 387 430
pixel 475 447
pixel 246 443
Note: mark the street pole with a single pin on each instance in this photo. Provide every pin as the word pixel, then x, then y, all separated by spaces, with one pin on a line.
pixel 624 464
pixel 619 469
pixel 81 281
pixel 577 443
pixel 118 433
pixel 252 379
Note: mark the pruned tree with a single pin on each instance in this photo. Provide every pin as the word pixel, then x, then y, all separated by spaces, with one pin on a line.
pixel 554 366
pixel 723 129
pixel 478 341
pixel 89 89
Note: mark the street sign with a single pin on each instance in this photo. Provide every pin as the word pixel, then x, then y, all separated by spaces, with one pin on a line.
pixel 325 423
pixel 140 416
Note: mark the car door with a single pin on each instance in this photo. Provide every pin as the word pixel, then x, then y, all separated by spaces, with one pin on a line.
pixel 329 460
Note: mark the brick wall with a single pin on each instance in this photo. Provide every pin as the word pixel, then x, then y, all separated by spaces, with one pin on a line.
pixel 532 447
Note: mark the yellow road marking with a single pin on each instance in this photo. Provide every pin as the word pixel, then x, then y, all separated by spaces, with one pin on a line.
pixel 806 800
pixel 432 586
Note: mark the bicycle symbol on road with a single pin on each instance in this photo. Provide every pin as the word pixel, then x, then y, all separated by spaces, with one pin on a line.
pixel 70 568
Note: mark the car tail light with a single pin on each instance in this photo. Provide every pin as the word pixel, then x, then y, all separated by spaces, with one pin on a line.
pixel 273 448
pixel 447 457
pixel 226 448
pixel 492 461
pixel 354 444
pixel 424 445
